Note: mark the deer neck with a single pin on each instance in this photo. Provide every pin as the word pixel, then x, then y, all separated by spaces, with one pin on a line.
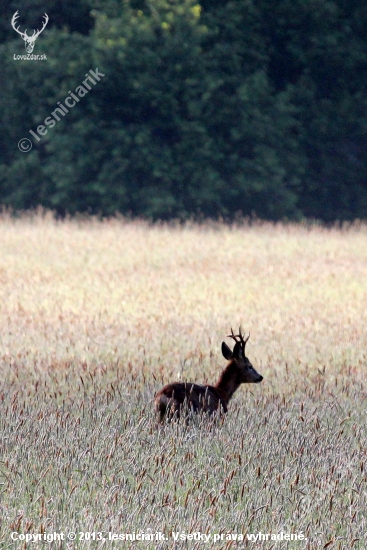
pixel 228 382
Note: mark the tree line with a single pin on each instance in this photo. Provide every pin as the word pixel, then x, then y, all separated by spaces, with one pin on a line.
pixel 204 109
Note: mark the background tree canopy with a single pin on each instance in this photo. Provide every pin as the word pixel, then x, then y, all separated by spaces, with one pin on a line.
pixel 210 108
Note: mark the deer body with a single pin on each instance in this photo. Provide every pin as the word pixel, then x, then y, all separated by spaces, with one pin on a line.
pixel 205 398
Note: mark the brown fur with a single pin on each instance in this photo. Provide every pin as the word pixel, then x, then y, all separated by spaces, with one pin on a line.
pixel 205 398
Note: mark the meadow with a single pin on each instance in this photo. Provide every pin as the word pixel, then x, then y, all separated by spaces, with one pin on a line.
pixel 97 315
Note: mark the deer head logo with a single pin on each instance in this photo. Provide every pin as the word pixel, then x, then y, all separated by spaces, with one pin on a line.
pixel 29 41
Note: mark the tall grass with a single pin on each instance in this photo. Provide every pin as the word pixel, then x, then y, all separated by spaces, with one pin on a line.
pixel 96 316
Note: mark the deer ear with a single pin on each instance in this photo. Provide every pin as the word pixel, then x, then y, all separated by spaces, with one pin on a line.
pixel 226 351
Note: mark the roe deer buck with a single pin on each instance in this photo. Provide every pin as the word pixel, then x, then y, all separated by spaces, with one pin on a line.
pixel 172 398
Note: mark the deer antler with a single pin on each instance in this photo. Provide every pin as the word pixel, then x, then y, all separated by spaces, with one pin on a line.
pixel 241 340
pixel 13 22
pixel 43 26
pixel 233 335
pixel 24 34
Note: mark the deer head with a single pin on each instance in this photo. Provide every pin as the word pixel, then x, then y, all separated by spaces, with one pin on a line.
pixel 29 40
pixel 246 372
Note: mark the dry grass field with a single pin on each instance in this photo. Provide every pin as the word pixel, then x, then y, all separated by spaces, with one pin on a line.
pixel 96 316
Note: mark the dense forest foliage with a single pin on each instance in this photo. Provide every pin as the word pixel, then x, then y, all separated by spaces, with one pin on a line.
pixel 188 109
